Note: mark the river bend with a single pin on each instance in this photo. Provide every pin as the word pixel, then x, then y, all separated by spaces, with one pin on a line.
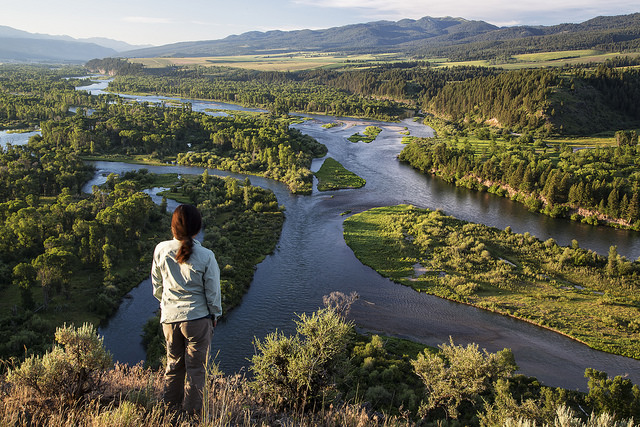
pixel 312 260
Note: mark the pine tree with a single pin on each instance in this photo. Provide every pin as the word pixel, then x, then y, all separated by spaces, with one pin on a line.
pixel 633 210
pixel 613 203
pixel 612 260
pixel 624 206
pixel 527 180
pixel 550 191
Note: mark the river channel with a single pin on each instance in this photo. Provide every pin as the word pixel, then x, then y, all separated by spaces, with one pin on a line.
pixel 312 260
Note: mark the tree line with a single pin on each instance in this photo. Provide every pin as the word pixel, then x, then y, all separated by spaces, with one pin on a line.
pixel 31 94
pixel 581 100
pixel 603 181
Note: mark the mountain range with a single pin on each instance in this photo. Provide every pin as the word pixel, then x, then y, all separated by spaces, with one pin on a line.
pixel 22 46
pixel 426 36
pixel 379 36
pixel 455 38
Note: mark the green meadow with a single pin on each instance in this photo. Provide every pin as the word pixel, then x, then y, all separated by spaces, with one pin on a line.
pixel 333 176
pixel 570 290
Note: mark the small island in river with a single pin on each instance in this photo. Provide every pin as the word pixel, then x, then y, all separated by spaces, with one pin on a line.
pixel 576 292
pixel 333 176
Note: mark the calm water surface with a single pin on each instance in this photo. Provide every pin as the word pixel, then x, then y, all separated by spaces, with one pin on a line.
pixel 16 138
pixel 312 260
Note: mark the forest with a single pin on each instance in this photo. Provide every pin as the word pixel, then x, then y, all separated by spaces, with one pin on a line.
pixel 61 244
pixel 599 185
pixel 571 100
pixel 32 94
pixel 258 145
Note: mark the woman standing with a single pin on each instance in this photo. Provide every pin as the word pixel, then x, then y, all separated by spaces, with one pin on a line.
pixel 186 281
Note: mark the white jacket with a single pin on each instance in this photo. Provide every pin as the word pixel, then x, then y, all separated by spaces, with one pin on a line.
pixel 187 291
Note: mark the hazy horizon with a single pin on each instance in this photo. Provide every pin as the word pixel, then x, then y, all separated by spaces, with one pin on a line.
pixel 160 22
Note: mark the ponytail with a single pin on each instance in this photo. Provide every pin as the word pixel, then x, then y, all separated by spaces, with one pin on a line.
pixel 186 222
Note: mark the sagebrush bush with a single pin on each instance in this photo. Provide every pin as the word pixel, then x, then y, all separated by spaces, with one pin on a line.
pixel 69 370
pixel 460 374
pixel 299 371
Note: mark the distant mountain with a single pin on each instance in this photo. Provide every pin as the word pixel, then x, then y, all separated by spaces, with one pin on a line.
pixel 22 46
pixel 454 38
pixel 607 33
pixel 380 36
pixel 450 37
pixel 116 45
pixel 43 50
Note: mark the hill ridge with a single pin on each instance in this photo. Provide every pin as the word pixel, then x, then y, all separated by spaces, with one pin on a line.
pixel 425 36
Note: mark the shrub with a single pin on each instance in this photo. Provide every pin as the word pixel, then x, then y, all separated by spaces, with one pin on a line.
pixel 617 396
pixel 299 371
pixel 460 374
pixel 69 370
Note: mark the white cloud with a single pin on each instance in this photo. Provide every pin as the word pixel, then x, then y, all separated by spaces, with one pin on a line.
pixel 503 11
pixel 145 20
pixel 505 23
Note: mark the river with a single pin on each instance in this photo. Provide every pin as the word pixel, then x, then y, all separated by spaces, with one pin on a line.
pixel 16 138
pixel 312 260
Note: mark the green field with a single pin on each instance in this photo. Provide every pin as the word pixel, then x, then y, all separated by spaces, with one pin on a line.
pixel 333 176
pixel 297 61
pixel 567 289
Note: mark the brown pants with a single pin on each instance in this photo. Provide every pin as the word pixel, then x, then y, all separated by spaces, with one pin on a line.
pixel 187 353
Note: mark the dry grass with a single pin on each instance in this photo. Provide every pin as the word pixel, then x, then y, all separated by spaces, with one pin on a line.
pixel 131 396
pixel 543 59
pixel 293 61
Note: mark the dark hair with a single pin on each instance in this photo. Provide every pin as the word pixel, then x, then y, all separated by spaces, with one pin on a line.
pixel 185 223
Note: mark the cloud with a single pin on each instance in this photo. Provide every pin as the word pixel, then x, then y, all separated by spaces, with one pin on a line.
pixel 489 10
pixel 146 20
pixel 506 23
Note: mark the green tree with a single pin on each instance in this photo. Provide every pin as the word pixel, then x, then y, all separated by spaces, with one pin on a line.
pixel 612 260
pixel 618 396
pixel 24 276
pixel 633 210
pixel 613 203
pixel 52 269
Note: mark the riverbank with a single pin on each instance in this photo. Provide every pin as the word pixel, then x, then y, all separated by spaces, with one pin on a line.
pixel 597 186
pixel 541 204
pixel 568 290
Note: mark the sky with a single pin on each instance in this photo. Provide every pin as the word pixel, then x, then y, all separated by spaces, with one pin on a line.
pixel 158 22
